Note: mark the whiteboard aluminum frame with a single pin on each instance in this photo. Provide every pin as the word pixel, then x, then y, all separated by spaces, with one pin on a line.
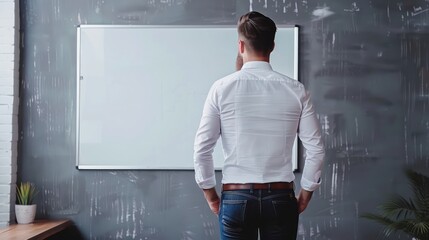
pixel 295 165
pixel 295 161
pixel 77 94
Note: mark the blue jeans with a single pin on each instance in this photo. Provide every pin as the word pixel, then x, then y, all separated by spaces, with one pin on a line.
pixel 273 212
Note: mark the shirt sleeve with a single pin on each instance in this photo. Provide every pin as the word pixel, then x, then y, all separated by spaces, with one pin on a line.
pixel 205 140
pixel 310 136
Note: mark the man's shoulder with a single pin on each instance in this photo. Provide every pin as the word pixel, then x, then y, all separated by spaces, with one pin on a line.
pixel 288 80
pixel 229 78
pixel 285 80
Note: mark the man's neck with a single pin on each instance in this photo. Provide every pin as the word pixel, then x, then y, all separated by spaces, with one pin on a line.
pixel 256 58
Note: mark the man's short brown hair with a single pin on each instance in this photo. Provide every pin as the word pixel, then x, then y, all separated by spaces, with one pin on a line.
pixel 258 31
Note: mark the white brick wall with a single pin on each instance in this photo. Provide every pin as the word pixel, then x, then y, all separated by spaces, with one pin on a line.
pixel 9 85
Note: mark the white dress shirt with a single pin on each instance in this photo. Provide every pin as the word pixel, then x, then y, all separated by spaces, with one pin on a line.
pixel 258 113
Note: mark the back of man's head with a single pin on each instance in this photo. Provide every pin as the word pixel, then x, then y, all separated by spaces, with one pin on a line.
pixel 258 32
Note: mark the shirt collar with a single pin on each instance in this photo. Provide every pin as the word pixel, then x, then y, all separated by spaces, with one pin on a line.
pixel 257 64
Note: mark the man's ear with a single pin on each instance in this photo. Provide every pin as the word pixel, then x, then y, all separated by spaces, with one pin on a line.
pixel 274 45
pixel 241 46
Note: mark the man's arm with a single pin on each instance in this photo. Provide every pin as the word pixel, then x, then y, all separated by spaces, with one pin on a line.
pixel 205 140
pixel 310 136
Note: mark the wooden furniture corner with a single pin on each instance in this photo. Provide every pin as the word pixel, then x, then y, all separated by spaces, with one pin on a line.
pixel 40 229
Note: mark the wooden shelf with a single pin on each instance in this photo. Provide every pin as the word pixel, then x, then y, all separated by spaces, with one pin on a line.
pixel 40 229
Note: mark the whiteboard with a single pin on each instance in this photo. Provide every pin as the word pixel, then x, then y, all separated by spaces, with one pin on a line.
pixel 141 90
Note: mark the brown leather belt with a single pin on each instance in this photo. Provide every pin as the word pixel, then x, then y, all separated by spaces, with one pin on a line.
pixel 258 186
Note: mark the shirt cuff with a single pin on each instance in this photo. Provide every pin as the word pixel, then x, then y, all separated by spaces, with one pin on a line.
pixel 206 183
pixel 309 185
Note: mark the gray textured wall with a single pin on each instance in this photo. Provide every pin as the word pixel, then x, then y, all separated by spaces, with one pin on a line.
pixel 365 62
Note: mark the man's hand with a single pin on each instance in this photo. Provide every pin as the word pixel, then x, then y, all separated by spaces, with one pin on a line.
pixel 303 198
pixel 212 199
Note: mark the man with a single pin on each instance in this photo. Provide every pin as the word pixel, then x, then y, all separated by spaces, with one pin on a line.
pixel 258 113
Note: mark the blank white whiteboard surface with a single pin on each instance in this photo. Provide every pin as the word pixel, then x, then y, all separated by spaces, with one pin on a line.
pixel 141 90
